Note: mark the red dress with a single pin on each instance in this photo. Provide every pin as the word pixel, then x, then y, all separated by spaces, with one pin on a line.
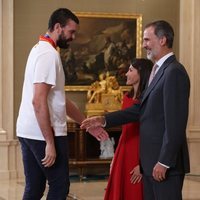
pixel 126 157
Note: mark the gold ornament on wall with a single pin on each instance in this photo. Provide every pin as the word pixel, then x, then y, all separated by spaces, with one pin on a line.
pixel 104 95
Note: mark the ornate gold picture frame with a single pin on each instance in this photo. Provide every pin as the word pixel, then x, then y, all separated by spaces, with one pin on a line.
pixel 105 43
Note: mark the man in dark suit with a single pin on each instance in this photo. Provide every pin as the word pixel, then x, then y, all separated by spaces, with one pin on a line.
pixel 163 115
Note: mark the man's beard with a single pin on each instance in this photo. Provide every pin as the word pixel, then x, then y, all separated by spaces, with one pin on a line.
pixel 62 42
pixel 151 56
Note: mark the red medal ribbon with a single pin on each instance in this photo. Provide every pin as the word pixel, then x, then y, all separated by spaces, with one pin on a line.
pixel 47 39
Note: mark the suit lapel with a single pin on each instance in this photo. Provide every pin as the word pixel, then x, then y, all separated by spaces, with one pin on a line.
pixel 157 77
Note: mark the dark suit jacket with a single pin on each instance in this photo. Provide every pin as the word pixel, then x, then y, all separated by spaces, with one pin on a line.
pixel 163 115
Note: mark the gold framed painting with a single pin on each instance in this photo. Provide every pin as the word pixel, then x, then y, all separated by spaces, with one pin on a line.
pixel 105 43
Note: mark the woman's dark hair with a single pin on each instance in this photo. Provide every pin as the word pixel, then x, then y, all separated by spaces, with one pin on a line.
pixel 61 16
pixel 144 67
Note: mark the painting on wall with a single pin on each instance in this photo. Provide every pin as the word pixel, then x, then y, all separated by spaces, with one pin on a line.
pixel 105 44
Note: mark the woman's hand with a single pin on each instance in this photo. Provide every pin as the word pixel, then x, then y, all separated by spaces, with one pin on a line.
pixel 136 176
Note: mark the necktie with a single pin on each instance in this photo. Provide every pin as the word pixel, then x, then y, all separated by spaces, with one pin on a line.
pixel 153 72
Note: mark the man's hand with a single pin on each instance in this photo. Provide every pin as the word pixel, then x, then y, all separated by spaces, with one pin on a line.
pixel 159 172
pixel 99 133
pixel 136 176
pixel 50 155
pixel 92 122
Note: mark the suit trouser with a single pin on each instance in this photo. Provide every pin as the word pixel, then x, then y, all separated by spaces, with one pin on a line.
pixel 169 189
pixel 36 175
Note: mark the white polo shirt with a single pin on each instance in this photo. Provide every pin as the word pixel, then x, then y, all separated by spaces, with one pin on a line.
pixel 43 66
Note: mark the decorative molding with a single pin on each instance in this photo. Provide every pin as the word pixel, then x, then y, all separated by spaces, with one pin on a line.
pixel 1 64
pixel 194 134
pixel 8 144
pixel 7 68
pixel 3 135
pixel 9 159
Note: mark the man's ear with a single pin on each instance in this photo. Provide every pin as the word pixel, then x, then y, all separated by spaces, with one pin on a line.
pixel 163 41
pixel 57 27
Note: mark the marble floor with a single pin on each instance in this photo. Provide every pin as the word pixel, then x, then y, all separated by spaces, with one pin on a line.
pixel 91 190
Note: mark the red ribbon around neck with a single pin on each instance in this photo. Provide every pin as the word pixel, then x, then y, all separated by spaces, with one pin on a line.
pixel 47 39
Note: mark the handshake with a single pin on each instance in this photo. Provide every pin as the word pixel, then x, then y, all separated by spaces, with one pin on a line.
pixel 94 125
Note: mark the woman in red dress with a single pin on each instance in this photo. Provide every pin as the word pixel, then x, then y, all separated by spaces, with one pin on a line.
pixel 125 180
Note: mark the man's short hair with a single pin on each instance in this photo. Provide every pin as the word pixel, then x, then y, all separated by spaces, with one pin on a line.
pixel 61 16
